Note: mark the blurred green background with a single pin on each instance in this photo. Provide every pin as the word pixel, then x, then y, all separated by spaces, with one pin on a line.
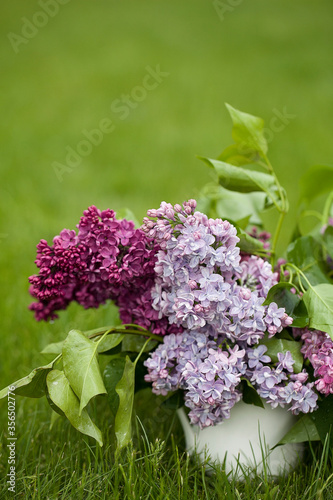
pixel 66 71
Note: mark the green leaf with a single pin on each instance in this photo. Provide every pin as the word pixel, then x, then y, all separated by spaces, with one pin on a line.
pixel 54 348
pixel 215 201
pixel 303 430
pixel 248 244
pixel 237 155
pixel 306 254
pixel 111 376
pixel 81 366
pixel 243 223
pixel 125 391
pixel 247 181
pixel 64 398
pixel 250 395
pixel 33 385
pixel 316 181
pixel 134 343
pixel 293 304
pixel 323 418
pixel 300 315
pixel 319 302
pixel 241 180
pixel 110 342
pixel 248 131
pixel 54 407
pixel 276 345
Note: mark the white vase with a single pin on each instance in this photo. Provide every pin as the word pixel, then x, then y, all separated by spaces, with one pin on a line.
pixel 245 440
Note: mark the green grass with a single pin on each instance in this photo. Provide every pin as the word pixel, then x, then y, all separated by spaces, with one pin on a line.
pixel 61 466
pixel 264 56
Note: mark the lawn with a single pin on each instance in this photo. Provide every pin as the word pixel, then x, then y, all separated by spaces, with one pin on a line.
pixel 153 78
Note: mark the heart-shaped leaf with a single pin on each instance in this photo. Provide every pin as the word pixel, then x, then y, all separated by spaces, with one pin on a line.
pixel 248 131
pixel 64 398
pixel 112 374
pixel 109 342
pixel 303 430
pixel 215 201
pixel 319 302
pixel 238 155
pixel 125 390
pixel 242 180
pixel 81 366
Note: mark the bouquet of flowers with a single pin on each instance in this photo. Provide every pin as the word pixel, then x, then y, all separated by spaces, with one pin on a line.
pixel 206 309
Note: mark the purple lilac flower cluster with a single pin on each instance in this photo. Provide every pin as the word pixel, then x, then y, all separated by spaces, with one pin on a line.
pixel 216 294
pixel 318 349
pixel 202 280
pixel 210 372
pixel 107 259
pixel 278 384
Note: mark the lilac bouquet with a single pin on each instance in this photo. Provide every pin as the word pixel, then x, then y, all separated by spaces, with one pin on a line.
pixel 205 306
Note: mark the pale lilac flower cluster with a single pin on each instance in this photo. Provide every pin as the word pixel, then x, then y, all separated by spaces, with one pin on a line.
pixel 209 375
pixel 107 259
pixel 216 294
pixel 279 385
pixel 203 281
pixel 257 274
pixel 168 220
pixel 318 349
pixel 211 372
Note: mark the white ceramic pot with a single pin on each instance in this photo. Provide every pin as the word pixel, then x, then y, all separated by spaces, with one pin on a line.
pixel 246 440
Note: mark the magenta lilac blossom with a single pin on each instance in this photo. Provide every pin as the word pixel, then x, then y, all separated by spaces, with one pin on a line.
pixel 106 259
pixel 318 349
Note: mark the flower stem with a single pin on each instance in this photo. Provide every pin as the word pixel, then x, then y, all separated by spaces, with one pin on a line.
pixel 112 330
pixel 142 350
pixel 276 237
pixel 327 208
pixel 283 209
